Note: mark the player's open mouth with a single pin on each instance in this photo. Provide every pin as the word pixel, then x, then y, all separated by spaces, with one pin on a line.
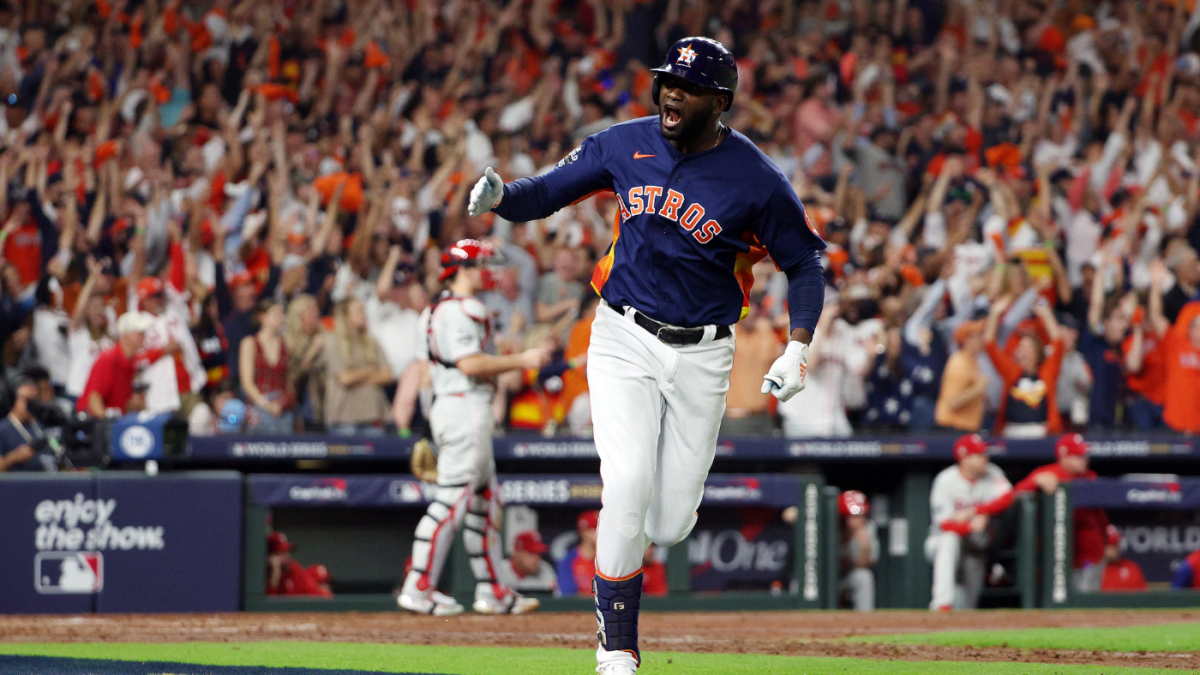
pixel 670 116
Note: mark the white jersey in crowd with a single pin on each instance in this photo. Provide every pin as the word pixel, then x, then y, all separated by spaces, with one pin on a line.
pixel 545 581
pixel 458 327
pixel 84 350
pixel 952 491
pixel 163 392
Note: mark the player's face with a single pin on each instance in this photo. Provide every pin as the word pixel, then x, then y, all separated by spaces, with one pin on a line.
pixel 685 108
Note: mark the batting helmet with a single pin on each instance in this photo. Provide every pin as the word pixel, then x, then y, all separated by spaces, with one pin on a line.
pixel 853 503
pixel 466 253
pixel 702 61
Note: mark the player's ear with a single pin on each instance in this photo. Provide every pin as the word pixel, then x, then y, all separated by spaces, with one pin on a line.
pixel 719 102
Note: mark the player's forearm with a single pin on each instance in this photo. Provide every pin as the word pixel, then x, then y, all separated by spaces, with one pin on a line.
pixel 489 365
pixel 527 199
pixel 806 297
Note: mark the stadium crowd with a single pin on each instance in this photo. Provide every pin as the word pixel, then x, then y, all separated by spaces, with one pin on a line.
pixel 235 210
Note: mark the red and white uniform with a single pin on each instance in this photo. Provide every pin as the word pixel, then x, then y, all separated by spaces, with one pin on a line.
pixel 462 424
pixel 168 378
pixel 955 551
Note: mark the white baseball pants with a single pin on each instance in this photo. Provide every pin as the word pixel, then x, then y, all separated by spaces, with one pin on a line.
pixel 657 409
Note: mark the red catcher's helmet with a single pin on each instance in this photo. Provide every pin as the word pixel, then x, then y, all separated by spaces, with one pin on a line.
pixel 853 503
pixel 469 253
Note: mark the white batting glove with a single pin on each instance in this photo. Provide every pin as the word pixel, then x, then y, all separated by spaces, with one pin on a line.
pixel 786 377
pixel 486 194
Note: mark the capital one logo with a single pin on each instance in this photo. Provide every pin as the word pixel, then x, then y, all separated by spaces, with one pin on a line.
pixel 68 572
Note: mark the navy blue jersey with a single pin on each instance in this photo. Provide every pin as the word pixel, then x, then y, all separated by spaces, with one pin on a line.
pixel 691 225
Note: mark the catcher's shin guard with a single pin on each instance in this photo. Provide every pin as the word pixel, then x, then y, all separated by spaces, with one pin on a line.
pixel 435 533
pixel 617 603
pixel 478 535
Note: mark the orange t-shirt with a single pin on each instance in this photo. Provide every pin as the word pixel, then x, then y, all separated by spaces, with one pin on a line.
pixel 1152 381
pixel 757 348
pixel 575 379
pixel 961 373
pixel 23 249
pixel 1181 409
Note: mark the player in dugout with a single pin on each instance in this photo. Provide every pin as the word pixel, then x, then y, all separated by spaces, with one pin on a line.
pixel 1091 524
pixel 959 536
pixel 859 550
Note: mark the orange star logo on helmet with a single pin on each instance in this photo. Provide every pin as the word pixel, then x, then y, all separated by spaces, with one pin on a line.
pixel 686 55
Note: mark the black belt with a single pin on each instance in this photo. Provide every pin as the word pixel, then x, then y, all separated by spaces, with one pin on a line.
pixel 670 335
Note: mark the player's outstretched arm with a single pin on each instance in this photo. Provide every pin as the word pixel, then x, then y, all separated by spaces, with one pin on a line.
pixel 577 175
pixel 490 365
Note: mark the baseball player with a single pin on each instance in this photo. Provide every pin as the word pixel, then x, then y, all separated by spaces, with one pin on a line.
pixel 459 335
pixel 699 204
pixel 1091 524
pixel 859 550
pixel 958 535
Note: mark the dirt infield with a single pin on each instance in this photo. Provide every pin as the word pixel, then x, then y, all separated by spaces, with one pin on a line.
pixel 793 633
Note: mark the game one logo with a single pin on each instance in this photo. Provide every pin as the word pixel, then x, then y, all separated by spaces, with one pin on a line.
pixel 68 572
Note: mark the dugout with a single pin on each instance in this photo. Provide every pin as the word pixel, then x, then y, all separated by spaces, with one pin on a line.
pixel 1159 519
pixel 741 555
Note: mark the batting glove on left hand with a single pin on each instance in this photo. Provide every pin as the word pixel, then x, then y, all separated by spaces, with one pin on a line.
pixel 786 377
pixel 486 194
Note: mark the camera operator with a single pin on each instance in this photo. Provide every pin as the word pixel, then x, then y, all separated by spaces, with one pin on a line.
pixel 24 445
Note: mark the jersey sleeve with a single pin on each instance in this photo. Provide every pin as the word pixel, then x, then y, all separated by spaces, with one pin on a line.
pixel 456 333
pixel 577 175
pixel 941 501
pixel 795 247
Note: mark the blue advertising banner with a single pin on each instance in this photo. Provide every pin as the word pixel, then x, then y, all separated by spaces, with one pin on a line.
pixel 533 490
pixel 1115 493
pixel 112 542
pixel 522 447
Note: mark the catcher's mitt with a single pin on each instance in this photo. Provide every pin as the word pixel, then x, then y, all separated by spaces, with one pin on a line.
pixel 424 461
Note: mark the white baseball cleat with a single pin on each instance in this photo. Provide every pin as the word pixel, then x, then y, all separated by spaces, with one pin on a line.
pixel 513 603
pixel 437 604
pixel 615 669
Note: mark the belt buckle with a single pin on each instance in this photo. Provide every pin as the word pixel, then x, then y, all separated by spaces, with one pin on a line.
pixel 658 333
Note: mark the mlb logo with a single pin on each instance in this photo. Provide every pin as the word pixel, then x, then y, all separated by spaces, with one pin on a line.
pixel 68 572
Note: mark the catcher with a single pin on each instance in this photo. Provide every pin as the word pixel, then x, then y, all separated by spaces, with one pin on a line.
pixel 459 335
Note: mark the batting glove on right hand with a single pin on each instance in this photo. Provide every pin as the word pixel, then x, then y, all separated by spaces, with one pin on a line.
pixel 786 377
pixel 486 194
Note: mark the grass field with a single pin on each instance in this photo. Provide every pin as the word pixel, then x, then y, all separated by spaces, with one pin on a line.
pixel 392 658
pixel 1171 637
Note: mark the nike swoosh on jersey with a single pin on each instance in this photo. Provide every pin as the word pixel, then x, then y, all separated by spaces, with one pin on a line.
pixel 638 155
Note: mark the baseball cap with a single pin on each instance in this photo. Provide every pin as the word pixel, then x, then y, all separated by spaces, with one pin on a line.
pixel 240 279
pixel 1112 535
pixel 133 322
pixel 277 542
pixel 530 540
pixel 588 520
pixel 971 444
pixel 1070 444
pixel 967 329
pixel 149 287
pixel 853 503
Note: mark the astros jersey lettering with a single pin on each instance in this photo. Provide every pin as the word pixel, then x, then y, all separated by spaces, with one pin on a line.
pixel 691 225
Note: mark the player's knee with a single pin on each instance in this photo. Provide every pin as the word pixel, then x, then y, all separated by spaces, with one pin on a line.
pixel 670 531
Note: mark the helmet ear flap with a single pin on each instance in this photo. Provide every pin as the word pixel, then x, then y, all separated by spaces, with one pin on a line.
pixel 654 90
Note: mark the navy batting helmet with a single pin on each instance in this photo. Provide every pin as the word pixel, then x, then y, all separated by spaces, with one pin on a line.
pixel 702 61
